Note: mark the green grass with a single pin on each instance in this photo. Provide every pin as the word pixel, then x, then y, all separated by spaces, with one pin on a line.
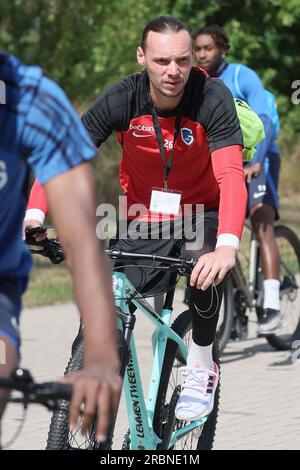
pixel 49 284
pixel 290 212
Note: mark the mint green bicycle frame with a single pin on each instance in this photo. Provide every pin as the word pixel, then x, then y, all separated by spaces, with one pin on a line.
pixel 140 411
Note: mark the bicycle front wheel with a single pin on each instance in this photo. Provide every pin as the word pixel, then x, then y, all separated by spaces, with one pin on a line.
pixel 201 438
pixel 289 252
pixel 60 436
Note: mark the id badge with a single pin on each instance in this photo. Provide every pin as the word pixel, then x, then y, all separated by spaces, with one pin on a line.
pixel 165 201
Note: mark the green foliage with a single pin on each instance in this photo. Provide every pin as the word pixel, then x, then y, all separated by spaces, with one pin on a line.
pixel 87 45
pixel 83 45
pixel 49 284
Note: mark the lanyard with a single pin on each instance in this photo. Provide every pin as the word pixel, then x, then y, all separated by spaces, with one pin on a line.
pixel 160 142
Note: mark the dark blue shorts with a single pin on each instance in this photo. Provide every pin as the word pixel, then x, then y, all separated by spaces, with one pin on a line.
pixel 11 290
pixel 264 188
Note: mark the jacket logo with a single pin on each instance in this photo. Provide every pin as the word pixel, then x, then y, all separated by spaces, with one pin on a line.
pixel 256 195
pixel 187 135
pixel 141 135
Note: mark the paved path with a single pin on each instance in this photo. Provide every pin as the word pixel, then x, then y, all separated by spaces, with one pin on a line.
pixel 260 398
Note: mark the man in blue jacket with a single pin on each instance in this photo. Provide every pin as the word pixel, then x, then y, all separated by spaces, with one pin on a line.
pixel 40 129
pixel 211 45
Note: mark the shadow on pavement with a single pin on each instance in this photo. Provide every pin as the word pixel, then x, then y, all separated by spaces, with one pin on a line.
pixel 238 351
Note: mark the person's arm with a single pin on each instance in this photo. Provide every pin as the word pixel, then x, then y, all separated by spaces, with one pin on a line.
pixel 261 149
pixel 106 114
pixel 229 173
pixel 225 141
pixel 58 149
pixel 37 209
pixel 228 170
pixel 37 205
pixel 253 92
pixel 72 204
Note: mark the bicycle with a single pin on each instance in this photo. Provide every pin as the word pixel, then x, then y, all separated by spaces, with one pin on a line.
pixel 152 422
pixel 47 394
pixel 247 292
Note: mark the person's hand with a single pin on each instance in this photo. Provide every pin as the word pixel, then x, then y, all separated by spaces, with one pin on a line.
pixel 251 170
pixel 32 224
pixel 211 268
pixel 98 387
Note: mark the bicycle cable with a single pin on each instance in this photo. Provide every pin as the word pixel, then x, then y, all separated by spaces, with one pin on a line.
pixel 138 289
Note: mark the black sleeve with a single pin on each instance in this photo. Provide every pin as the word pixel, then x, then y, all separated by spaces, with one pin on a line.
pixel 108 113
pixel 218 116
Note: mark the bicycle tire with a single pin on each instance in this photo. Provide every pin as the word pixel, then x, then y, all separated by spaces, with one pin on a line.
pixel 283 342
pixel 59 435
pixel 182 326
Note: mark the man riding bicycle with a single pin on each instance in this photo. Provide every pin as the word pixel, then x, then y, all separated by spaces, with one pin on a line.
pixel 211 46
pixel 39 128
pixel 182 145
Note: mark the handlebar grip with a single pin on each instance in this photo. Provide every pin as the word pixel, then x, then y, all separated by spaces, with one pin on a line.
pixel 30 231
pixel 56 391
pixel 65 391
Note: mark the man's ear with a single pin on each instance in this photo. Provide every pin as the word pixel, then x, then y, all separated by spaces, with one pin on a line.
pixel 140 56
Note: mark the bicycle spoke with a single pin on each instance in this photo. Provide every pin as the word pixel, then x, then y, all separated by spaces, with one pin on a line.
pixel 189 441
pixel 75 439
pixel 289 275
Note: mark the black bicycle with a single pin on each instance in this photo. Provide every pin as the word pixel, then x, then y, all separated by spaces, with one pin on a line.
pixel 244 290
pixel 152 422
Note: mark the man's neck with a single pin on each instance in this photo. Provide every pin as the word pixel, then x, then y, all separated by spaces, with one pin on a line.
pixel 219 69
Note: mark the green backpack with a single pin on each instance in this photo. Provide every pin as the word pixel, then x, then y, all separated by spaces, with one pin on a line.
pixel 252 128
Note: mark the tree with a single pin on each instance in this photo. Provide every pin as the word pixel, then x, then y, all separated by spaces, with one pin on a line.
pixel 87 45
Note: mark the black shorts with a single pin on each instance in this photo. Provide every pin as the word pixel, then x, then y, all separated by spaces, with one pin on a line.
pixel 11 290
pixel 148 279
pixel 264 188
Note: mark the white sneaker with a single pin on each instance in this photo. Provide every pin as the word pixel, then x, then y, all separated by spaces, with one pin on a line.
pixel 270 322
pixel 197 393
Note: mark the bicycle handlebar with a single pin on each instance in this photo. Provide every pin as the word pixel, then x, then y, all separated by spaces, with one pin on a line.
pixel 51 248
pixel 183 265
pixel 46 394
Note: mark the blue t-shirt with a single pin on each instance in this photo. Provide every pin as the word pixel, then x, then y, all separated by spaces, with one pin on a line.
pixel 250 89
pixel 40 129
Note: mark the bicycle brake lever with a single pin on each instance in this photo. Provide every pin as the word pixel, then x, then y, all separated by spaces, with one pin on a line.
pixel 31 231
